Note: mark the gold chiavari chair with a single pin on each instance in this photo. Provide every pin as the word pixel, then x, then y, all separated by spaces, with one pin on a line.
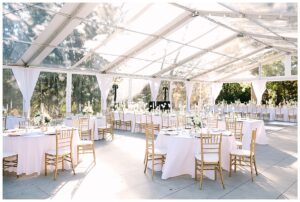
pixel 236 128
pixel 181 120
pixel 209 157
pixel 292 115
pixel 86 143
pixel 172 121
pixel 212 122
pixel 62 152
pixel 138 122
pixel 10 160
pixel 24 124
pixel 164 120
pixel 116 120
pixel 255 113
pixel 149 121
pixel 244 156
pixel 108 129
pixel 125 123
pixel 265 113
pixel 151 152
pixel 278 114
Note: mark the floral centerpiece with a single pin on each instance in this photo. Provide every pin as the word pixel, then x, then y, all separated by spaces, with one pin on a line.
pixel 88 110
pixel 41 119
pixel 197 122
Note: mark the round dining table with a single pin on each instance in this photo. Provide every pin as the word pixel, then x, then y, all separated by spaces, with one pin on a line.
pixel 31 145
pixel 182 145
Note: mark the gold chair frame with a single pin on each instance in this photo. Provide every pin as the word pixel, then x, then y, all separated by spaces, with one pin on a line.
pixel 244 157
pixel 210 145
pixel 64 139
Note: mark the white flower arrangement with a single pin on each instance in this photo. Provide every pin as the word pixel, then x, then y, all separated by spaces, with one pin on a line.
pixel 88 110
pixel 41 119
pixel 197 122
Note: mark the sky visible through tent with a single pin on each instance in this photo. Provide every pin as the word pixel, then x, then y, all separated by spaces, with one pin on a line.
pixel 191 41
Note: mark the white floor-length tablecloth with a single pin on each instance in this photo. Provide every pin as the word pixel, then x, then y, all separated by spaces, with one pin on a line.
pixel 248 126
pixel 99 122
pixel 31 148
pixel 181 150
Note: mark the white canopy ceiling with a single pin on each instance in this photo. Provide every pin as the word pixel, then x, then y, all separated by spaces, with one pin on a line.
pixel 180 41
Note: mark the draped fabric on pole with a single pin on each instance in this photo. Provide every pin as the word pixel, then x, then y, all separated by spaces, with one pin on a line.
pixel 69 94
pixel 259 87
pixel 216 89
pixel 171 93
pixel 26 79
pixel 105 84
pixel 189 90
pixel 154 87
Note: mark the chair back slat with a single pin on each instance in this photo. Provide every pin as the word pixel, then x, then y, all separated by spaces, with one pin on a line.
pixel 85 130
pixel 210 144
pixel 64 139
pixel 149 132
pixel 235 127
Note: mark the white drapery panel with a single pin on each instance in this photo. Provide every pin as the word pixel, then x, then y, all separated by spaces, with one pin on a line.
pixel 259 87
pixel 171 93
pixel 69 94
pixel 216 89
pixel 105 84
pixel 26 79
pixel 154 87
pixel 189 90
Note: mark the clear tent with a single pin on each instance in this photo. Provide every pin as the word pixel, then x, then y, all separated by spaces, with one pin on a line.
pixel 190 42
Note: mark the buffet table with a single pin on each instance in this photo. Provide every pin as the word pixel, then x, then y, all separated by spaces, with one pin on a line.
pixel 31 146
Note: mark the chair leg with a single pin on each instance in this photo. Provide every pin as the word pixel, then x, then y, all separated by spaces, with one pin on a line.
pixel 235 164
pixel 94 155
pixel 55 171
pixel 251 168
pixel 201 176
pixel 62 164
pixel 230 167
pixel 221 175
pixel 195 169
pixel 215 173
pixel 45 164
pixel 254 161
pixel 152 166
pixel 71 157
pixel 146 162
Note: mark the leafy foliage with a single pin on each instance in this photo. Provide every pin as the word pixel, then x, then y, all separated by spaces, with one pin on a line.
pixel 234 91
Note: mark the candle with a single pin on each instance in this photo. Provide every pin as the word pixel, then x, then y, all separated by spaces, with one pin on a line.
pixel 10 104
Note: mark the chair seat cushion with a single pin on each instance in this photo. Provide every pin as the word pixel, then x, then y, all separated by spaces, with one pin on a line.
pixel 160 151
pixel 208 158
pixel 60 152
pixel 238 143
pixel 85 142
pixel 240 152
pixel 7 154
